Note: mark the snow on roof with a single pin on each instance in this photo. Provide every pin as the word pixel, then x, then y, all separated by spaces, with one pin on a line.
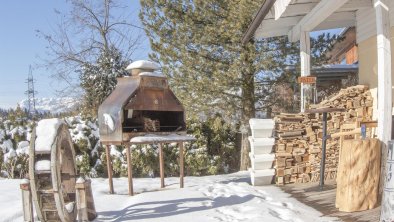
pixel 340 66
pixel 143 64
pixel 46 131
pixel 154 74
pixel 152 138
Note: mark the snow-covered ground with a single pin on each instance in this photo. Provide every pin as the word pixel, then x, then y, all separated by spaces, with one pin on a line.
pixel 209 198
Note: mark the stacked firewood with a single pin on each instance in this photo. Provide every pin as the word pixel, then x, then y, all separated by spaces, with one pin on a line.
pixel 299 136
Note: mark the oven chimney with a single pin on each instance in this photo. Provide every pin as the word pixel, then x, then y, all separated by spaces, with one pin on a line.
pixel 140 66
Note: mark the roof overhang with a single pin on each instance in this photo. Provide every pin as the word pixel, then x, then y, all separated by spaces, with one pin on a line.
pixel 329 73
pixel 290 17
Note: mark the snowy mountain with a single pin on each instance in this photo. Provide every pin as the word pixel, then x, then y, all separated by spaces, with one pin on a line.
pixel 53 105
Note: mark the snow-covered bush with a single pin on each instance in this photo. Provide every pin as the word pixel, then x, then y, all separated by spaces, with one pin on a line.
pixel 213 152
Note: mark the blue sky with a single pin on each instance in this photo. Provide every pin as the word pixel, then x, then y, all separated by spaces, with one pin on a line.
pixel 20 46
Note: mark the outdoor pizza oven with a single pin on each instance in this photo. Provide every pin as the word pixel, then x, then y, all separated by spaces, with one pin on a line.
pixel 140 104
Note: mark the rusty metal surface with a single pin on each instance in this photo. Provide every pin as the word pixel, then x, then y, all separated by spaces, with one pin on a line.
pixel 153 99
pixel 113 105
pixel 140 94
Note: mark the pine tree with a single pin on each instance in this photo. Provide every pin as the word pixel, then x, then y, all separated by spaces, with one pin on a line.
pixel 99 79
pixel 198 45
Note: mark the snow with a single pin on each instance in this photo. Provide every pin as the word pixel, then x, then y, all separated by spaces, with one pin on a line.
pixel 210 198
pixel 25 181
pixel 154 74
pixel 152 138
pixel 2 134
pixel 109 121
pixel 46 131
pixel 6 145
pixel 80 180
pixel 53 105
pixel 70 207
pixel 23 148
pixel 143 64
pixel 11 154
pixel 115 152
pixel 43 165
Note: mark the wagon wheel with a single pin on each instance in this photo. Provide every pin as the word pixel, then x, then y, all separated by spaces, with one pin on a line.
pixel 52 172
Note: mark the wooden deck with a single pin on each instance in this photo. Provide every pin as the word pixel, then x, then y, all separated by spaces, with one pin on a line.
pixel 324 201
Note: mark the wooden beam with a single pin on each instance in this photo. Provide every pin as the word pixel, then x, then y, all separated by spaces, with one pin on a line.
pixel 384 100
pixel 384 71
pixel 161 162
pixel 280 7
pixel 272 33
pixel 181 165
pixel 305 53
pixel 28 214
pixel 297 9
pixel 109 169
pixel 353 5
pixel 129 170
pixel 318 14
pixel 263 11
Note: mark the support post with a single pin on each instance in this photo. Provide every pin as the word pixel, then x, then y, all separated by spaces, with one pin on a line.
pixel 129 171
pixel 181 167
pixel 27 201
pixel 305 54
pixel 85 203
pixel 384 99
pixel 161 159
pixel 323 151
pixel 109 169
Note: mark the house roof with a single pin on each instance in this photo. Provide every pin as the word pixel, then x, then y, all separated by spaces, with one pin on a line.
pixel 285 17
pixel 328 73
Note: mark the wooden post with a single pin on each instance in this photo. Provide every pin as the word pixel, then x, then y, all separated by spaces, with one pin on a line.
pixel 85 203
pixel 181 167
pixel 323 153
pixel 109 168
pixel 129 171
pixel 305 53
pixel 161 159
pixel 27 201
pixel 384 98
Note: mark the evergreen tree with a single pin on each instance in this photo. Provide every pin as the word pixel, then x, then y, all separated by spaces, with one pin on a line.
pixel 99 79
pixel 198 44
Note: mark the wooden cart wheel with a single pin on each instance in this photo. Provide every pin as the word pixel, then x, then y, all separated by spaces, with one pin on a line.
pixel 52 173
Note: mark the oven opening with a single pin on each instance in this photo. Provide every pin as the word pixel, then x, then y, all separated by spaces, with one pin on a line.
pixel 153 121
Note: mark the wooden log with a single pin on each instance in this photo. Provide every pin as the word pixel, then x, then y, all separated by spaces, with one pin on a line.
pixel 280 172
pixel 358 175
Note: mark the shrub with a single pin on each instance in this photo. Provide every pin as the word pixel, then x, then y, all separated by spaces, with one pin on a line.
pixel 83 164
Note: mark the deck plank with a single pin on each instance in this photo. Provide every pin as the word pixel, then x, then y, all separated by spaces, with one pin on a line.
pixel 324 201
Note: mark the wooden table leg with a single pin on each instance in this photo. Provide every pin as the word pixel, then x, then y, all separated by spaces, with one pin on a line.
pixel 129 171
pixel 181 164
pixel 109 168
pixel 161 158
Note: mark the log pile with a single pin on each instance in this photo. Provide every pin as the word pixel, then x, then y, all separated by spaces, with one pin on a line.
pixel 299 136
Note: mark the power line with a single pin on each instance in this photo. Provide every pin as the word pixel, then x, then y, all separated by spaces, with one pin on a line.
pixel 31 93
